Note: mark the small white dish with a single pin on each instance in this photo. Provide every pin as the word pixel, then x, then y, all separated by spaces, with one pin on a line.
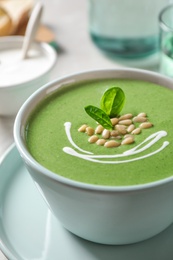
pixel 29 231
pixel 21 77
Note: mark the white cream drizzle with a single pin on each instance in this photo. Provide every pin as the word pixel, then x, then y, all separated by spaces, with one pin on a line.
pixel 151 140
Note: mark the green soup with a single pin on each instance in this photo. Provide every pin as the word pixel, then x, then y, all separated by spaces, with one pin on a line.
pixel 52 147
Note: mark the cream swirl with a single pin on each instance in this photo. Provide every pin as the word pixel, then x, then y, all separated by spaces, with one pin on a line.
pixel 146 144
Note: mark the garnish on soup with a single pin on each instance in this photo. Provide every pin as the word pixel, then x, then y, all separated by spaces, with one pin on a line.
pixel 111 105
pixel 113 130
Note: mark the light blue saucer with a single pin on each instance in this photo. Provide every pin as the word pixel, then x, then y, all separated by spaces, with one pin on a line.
pixel 28 231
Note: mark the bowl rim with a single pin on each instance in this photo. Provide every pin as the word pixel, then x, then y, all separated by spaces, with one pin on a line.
pixel 49 50
pixel 29 160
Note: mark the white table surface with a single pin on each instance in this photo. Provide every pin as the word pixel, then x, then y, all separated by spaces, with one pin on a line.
pixel 69 21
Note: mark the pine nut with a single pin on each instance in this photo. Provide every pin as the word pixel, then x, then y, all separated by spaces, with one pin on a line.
pixel 146 125
pixel 128 140
pixel 89 131
pixel 118 137
pixel 114 121
pixel 130 128
pixel 125 122
pixel 99 129
pixel 142 114
pixel 126 116
pixel 101 142
pixel 128 135
pixel 120 126
pixel 136 131
pixel 106 134
pixel 121 129
pixel 139 119
pixel 82 128
pixel 112 143
pixel 93 139
pixel 114 133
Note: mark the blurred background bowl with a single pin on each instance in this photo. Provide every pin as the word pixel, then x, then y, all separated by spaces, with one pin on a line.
pixel 26 80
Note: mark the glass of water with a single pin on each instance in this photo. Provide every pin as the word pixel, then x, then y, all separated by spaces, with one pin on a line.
pixel 125 29
pixel 166 40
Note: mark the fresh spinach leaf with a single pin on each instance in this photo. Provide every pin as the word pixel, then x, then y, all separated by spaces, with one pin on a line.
pixel 100 116
pixel 112 101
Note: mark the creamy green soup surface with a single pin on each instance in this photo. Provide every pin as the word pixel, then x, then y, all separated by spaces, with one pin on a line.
pixel 51 146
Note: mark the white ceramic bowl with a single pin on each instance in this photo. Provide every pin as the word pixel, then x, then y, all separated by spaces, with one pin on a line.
pixel 103 214
pixel 19 79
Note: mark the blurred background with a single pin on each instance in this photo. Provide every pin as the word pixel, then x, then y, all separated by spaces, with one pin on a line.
pixel 90 34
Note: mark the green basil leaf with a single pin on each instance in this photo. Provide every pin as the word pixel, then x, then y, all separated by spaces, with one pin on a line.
pixel 100 116
pixel 112 101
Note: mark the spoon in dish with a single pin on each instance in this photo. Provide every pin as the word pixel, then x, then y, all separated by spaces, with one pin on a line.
pixel 31 28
